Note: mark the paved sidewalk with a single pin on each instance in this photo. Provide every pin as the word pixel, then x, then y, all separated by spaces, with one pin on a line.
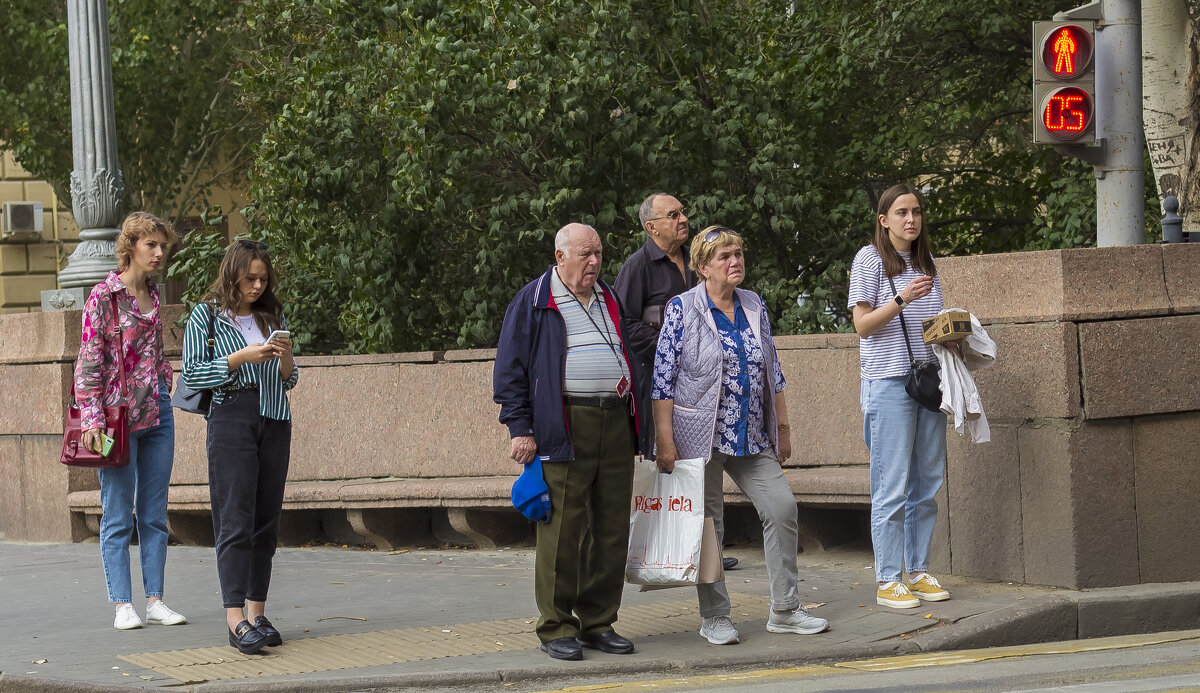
pixel 355 619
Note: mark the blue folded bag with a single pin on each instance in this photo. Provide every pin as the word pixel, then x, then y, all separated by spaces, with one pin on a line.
pixel 530 494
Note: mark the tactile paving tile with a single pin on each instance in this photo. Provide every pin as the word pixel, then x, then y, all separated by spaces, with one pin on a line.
pixel 331 652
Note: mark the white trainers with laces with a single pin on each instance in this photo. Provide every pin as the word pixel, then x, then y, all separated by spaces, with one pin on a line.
pixel 798 621
pixel 719 630
pixel 127 618
pixel 160 614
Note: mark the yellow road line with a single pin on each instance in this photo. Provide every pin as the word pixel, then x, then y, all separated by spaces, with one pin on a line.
pixel 705 680
pixel 979 655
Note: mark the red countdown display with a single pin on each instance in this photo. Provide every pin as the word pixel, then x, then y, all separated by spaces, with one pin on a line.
pixel 1067 113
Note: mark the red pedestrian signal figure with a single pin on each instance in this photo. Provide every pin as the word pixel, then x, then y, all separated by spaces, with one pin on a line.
pixel 1064 48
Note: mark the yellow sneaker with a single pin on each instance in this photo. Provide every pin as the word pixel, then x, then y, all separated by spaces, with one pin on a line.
pixel 897 596
pixel 928 589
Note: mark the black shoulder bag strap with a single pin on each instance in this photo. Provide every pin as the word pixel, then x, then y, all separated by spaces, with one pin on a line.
pixel 923 383
pixel 903 327
pixel 212 331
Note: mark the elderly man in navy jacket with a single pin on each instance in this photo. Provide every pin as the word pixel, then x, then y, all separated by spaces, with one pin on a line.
pixel 568 396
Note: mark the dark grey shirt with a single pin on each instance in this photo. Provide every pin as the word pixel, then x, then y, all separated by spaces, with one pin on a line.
pixel 647 280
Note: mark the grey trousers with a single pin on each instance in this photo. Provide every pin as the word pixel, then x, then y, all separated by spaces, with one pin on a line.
pixel 761 479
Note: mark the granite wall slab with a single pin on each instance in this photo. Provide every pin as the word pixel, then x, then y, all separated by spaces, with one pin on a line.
pixel 1139 367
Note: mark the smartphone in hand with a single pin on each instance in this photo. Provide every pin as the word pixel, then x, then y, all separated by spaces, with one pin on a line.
pixel 278 333
pixel 103 444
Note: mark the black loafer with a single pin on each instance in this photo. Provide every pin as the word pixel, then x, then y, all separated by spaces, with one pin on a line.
pixel 729 563
pixel 262 625
pixel 563 648
pixel 246 638
pixel 608 642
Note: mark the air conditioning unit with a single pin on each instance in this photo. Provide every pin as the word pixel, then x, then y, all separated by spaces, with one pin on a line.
pixel 22 221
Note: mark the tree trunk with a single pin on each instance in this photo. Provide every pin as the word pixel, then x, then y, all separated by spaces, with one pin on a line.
pixel 1169 106
pixel 1190 199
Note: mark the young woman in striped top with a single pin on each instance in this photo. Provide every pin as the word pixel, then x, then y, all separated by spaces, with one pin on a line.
pixel 249 430
pixel 907 443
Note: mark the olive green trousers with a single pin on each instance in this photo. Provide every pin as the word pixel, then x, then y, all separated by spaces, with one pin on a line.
pixel 580 563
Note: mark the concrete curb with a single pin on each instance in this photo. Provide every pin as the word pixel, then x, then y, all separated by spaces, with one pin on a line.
pixel 12 683
pixel 1130 610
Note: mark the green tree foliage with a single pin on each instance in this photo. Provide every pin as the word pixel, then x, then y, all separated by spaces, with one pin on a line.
pixel 179 129
pixel 418 156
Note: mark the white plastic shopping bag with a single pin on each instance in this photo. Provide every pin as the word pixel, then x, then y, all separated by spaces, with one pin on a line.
pixel 666 524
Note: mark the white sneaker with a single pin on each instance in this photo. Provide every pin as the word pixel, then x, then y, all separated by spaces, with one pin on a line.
pixel 798 621
pixel 719 630
pixel 159 614
pixel 127 618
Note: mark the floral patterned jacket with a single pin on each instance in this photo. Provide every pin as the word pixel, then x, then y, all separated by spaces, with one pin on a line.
pixel 97 383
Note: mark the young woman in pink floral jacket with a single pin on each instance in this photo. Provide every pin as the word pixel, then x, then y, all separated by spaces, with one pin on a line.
pixel 136 329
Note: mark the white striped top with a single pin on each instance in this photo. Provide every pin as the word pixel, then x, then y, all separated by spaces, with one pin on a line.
pixel 592 367
pixel 201 374
pixel 883 354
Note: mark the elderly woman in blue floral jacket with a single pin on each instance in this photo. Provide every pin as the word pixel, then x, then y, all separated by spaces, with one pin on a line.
pixel 718 395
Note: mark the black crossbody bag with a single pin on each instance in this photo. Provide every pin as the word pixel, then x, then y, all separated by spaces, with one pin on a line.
pixel 197 401
pixel 924 381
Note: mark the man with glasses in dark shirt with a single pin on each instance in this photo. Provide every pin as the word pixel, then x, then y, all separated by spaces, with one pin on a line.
pixel 655 274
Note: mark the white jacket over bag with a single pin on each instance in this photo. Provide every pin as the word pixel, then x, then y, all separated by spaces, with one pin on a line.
pixel 960 396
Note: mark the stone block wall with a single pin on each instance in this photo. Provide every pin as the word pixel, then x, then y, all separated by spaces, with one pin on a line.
pixel 1090 479
pixel 28 268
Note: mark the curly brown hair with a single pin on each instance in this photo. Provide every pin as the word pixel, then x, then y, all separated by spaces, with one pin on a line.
pixel 139 225
pixel 224 292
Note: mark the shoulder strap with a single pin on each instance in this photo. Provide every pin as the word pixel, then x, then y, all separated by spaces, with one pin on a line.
pixel 120 345
pixel 212 331
pixel 903 327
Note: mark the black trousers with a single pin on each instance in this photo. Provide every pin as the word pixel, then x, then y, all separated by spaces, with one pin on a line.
pixel 248 458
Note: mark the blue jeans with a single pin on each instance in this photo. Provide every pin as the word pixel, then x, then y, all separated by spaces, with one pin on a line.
pixel 139 488
pixel 908 464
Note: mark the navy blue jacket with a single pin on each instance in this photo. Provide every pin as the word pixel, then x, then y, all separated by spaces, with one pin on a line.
pixel 527 381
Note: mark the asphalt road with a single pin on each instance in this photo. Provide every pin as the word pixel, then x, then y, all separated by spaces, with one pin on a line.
pixel 1125 664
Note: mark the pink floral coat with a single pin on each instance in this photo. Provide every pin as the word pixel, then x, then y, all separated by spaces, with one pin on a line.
pixel 96 377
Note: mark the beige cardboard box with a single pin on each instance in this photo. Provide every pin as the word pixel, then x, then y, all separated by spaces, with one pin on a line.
pixel 954 324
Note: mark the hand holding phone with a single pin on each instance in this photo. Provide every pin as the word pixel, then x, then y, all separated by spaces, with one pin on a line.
pixel 278 333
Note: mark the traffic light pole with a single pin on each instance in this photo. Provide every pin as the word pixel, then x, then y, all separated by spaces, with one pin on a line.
pixel 1118 160
pixel 1120 183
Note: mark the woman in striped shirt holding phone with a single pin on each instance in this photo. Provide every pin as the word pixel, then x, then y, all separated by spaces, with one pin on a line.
pixel 249 429
pixel 896 275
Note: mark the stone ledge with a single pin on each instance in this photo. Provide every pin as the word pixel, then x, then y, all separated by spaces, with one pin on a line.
pixel 1065 285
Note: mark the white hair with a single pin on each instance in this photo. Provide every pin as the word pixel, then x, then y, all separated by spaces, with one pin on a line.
pixel 562 239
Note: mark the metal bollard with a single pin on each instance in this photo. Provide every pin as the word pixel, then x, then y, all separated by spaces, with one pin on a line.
pixel 1172 223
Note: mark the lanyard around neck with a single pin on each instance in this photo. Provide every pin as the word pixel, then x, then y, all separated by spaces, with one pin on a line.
pixel 603 332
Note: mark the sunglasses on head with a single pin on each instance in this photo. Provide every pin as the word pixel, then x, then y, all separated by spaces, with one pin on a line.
pixel 252 245
pixel 715 234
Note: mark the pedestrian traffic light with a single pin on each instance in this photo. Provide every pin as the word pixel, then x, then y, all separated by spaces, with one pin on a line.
pixel 1064 82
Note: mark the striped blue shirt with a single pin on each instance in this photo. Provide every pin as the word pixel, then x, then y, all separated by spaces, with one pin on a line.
pixel 883 354
pixel 201 374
